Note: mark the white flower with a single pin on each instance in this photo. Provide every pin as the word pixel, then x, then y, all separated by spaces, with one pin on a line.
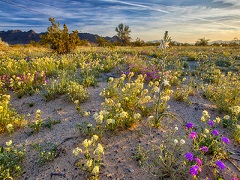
pixel 175 141
pixel 176 128
pixel 165 82
pixel 182 141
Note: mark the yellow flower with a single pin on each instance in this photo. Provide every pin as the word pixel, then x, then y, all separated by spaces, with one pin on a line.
pixel 9 143
pixel 110 79
pixel 206 130
pixel 95 137
pixel 9 126
pixel 76 101
pixel 123 114
pixel 86 113
pixel 218 120
pixel 205 114
pixel 99 150
pixel 86 143
pixel 76 151
pixel 98 118
pixel 89 163
pixel 136 116
pixel 38 111
pixel 95 170
pixel 226 117
pixel 203 119
pixel 110 121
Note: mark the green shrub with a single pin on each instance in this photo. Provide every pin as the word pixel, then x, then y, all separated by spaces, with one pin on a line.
pixel 60 40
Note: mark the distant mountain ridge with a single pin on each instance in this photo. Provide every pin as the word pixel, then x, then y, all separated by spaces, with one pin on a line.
pixel 24 37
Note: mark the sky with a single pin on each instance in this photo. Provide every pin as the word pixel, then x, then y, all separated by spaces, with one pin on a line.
pixel 185 20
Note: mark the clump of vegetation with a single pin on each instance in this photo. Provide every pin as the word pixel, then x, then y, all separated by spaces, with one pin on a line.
pixel 91 161
pixel 9 118
pixel 10 161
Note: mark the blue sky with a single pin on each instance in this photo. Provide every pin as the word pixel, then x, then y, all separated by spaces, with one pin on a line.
pixel 186 20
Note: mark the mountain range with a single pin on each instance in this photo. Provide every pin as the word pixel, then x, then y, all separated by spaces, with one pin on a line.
pixel 24 37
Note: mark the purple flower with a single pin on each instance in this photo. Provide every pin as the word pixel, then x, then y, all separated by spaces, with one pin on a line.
pixel 189 125
pixel 210 123
pixel 215 132
pixel 220 164
pixel 193 135
pixel 204 148
pixel 235 178
pixel 189 156
pixel 198 161
pixel 225 140
pixel 194 170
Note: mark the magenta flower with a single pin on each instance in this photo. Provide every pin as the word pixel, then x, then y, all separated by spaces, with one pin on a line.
pixel 198 161
pixel 189 156
pixel 210 123
pixel 194 170
pixel 215 132
pixel 235 178
pixel 204 148
pixel 225 140
pixel 220 164
pixel 193 135
pixel 189 125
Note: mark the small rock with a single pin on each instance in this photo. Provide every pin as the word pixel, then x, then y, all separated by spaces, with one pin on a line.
pixel 130 170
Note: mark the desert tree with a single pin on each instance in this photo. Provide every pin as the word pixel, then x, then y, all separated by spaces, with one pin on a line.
pixel 202 42
pixel 61 41
pixel 123 34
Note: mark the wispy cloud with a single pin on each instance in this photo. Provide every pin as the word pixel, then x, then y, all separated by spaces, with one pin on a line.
pixel 184 19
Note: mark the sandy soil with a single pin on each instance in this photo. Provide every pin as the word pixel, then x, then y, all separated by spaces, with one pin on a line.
pixel 119 147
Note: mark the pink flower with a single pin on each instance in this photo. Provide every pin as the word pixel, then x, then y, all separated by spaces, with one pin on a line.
pixel 204 148
pixel 194 170
pixel 193 135
pixel 198 161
